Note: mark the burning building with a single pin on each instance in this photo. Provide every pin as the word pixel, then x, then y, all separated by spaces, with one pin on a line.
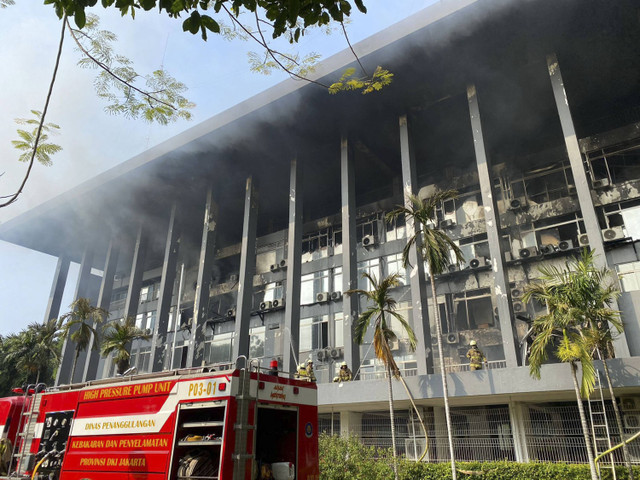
pixel 248 228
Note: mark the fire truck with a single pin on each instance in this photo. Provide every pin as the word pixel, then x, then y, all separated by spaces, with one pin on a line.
pixel 194 424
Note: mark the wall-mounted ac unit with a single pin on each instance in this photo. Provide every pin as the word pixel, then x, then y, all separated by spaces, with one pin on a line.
pixel 518 307
pixel 434 340
pixel 629 404
pixel 448 223
pixel 528 252
pixel 565 245
pixel 322 355
pixel 454 267
pixel 516 204
pixel 277 302
pixel 631 420
pixel 336 296
pixel 612 234
pixel 478 262
pixel 583 240
pixel 283 264
pixel 368 241
pixel 274 267
pixel 452 338
pixel 266 305
pixel 336 352
pixel 231 312
pixel 394 345
pixel 602 183
pixel 233 278
pixel 517 292
pixel 547 249
pixel 322 297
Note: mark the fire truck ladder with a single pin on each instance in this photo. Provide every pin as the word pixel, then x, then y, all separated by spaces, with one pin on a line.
pixel 243 425
pixel 600 428
pixel 23 448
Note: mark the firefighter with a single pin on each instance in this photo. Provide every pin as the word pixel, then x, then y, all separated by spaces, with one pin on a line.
pixel 302 372
pixel 344 375
pixel 5 455
pixel 273 367
pixel 475 356
pixel 310 374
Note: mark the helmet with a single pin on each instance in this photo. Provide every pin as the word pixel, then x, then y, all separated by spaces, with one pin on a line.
pixel 309 362
pixel 473 343
pixel 273 364
pixel 343 364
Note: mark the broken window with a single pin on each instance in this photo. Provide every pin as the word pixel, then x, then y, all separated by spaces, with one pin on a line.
pixel 473 309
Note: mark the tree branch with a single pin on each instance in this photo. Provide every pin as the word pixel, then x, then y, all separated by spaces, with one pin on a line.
pixel 108 70
pixel 14 197
pixel 346 37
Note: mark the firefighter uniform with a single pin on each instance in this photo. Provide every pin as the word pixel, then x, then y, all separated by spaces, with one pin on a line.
pixel 475 356
pixel 5 455
pixel 344 374
pixel 310 374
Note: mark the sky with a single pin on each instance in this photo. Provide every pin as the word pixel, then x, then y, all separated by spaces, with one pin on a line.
pixel 216 72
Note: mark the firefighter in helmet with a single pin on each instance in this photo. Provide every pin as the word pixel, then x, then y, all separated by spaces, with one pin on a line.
pixel 311 376
pixel 344 375
pixel 475 356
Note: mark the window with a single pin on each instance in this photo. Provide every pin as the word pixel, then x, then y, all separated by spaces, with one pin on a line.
pixel 371 267
pixel 217 349
pixel 140 321
pixel 473 309
pixel 629 274
pixel 256 342
pixel 147 293
pixel 272 291
pixel 314 333
pixel 394 265
pixel 338 327
pixel 337 279
pixel 396 228
pixel 140 359
pixel 312 284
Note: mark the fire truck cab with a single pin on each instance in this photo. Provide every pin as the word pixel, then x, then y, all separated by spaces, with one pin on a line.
pixel 199 424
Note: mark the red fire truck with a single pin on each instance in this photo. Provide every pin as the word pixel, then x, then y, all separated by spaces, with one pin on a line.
pixel 198 424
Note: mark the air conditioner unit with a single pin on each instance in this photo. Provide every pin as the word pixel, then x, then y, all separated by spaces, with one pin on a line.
pixel 547 249
pixel 518 307
pixel 117 278
pixel 336 352
pixel 277 302
pixel 322 355
pixel 528 252
pixel 631 420
pixel 452 338
pixel 447 223
pixel 283 264
pixel 274 267
pixel 478 262
pixel 394 345
pixel 266 305
pixel 516 204
pixel 335 296
pixel 583 240
pixel 517 292
pixel 454 267
pixel 233 278
pixel 565 245
pixel 231 312
pixel 322 297
pixel 368 241
pixel 602 183
pixel 612 234
pixel 434 340
pixel 629 404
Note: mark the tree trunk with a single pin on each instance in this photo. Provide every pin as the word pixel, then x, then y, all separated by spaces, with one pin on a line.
pixel 583 421
pixel 73 368
pixel 393 425
pixel 616 411
pixel 445 391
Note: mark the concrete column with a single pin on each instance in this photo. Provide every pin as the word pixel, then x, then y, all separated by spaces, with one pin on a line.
pixel 516 417
pixel 582 185
pixel 201 297
pixel 69 347
pixel 350 303
pixel 247 270
pixel 350 424
pixel 104 301
pixel 417 280
pixel 492 220
pixel 294 269
pixel 135 278
pixel 159 340
pixel 57 289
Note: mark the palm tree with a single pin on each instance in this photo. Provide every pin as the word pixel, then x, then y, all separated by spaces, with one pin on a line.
pixel 36 349
pixel 80 326
pixel 579 299
pixel 438 251
pixel 118 338
pixel 379 315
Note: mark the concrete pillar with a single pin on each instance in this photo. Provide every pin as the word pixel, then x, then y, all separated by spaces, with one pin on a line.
pixel 69 347
pixel 104 301
pixel 294 269
pixel 135 278
pixel 201 297
pixel 582 185
pixel 350 303
pixel 417 280
pixel 57 289
pixel 247 270
pixel 492 220
pixel 350 424
pixel 516 416
pixel 167 281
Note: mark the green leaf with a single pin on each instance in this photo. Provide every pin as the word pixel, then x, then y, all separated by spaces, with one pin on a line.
pixel 192 24
pixel 210 24
pixel 80 18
